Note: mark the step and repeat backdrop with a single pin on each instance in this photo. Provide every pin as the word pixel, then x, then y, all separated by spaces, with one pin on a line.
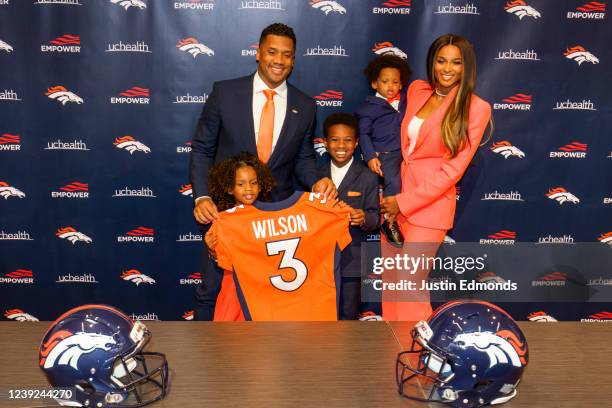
pixel 99 100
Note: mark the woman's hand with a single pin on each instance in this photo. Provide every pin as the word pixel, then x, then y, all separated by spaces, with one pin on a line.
pixel 390 208
pixel 210 239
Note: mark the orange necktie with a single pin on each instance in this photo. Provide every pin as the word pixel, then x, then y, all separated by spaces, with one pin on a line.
pixel 266 127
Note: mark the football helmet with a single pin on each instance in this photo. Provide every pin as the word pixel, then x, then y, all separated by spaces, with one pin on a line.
pixel 469 353
pixel 97 351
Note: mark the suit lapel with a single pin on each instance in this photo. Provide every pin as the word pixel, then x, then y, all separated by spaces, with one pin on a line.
pixel 287 130
pixel 353 172
pixel 434 120
pixel 243 99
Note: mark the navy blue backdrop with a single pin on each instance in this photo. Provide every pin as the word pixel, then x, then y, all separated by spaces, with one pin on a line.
pixel 99 100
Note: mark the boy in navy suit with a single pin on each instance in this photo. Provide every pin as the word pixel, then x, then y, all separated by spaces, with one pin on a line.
pixel 357 187
pixel 380 117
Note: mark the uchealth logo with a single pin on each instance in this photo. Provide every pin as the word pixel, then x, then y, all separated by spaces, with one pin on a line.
pixel 328 6
pixel 135 95
pixel 335 51
pixel 188 315
pixel 606 238
pixel 10 142
pixel 70 278
pixel 15 236
pixel 573 150
pixel 540 316
pixel 251 51
pixel 393 7
pixel 551 279
pixel 520 9
pixel 565 239
pixel 5 47
pixel 594 10
pixel 72 235
pixel 7 191
pixel 186 148
pixel 126 4
pixel 134 192
pixel 63 95
pixel 601 317
pixel 66 43
pixel 511 54
pixel 188 98
pixel 450 8
pixel 61 145
pixel 197 5
pixel 19 276
pixel 194 47
pixel 137 277
pixel 506 149
pixel 189 237
pixel 186 190
pixel 585 104
pixel 9 95
pixel 503 237
pixel 75 189
pixel 131 145
pixel 561 195
pixel 386 47
pixel 60 2
pixel 497 196
pixel 140 234
pixel 192 279
pixel 518 101
pixel 138 46
pixel 579 54
pixel 19 315
pixel 319 146
pixel 329 98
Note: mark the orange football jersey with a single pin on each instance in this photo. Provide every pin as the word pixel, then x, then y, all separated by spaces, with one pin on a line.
pixel 285 256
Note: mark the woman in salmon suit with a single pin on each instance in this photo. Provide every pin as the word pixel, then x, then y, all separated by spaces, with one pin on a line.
pixel 441 130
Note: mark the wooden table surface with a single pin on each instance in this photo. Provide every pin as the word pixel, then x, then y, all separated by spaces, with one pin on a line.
pixel 325 364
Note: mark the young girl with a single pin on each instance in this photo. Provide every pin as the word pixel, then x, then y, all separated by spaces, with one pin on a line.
pixel 241 179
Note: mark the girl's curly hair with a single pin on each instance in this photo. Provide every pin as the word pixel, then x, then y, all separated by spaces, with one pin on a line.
pixel 222 178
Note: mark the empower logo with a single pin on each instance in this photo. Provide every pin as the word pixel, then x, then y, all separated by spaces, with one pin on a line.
pixel 328 6
pixel 503 237
pixel 194 47
pixel 594 10
pixel 19 315
pixel 551 279
pixel 137 277
pixel 573 150
pixel 579 54
pixel 10 142
pixel 131 145
pixel 195 5
pixel 66 43
pixel 186 190
pixel 140 234
pixel 329 98
pixel 520 9
pixel 126 4
pixel 393 7
pixel 561 195
pixel 63 95
pixel 184 149
pixel 75 189
pixel 506 149
pixel 7 191
pixel 5 47
pixel 519 101
pixel 192 279
pixel 134 95
pixel 251 51
pixel 72 235
pixel 386 47
pixel 601 317
pixel 19 276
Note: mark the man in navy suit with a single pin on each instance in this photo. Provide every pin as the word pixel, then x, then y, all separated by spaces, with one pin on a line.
pixel 232 121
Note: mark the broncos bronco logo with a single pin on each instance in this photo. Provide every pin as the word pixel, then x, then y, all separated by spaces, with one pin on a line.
pixel 7 191
pixel 490 277
pixel 506 149
pixel 319 146
pixel 66 348
pixel 195 48
pixel 540 317
pixel 328 6
pixel 188 315
pixel 502 347
pixel 135 276
pixel 186 190
pixel 520 9
pixel 388 48
pixel 72 235
pixel 5 47
pixel 131 145
pixel 126 4
pixel 580 55
pixel 19 315
pixel 63 95
pixel 562 195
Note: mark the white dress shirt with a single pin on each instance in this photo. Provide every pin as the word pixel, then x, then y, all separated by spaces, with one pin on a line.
pixel 395 103
pixel 280 106
pixel 338 173
pixel 413 132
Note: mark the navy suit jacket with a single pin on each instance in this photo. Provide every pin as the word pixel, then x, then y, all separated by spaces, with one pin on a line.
pixel 379 125
pixel 359 189
pixel 226 128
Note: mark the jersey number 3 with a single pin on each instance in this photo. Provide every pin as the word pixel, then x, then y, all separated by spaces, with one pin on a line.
pixel 287 247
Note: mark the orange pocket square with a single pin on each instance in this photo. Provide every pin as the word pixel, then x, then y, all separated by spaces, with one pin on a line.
pixel 353 194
